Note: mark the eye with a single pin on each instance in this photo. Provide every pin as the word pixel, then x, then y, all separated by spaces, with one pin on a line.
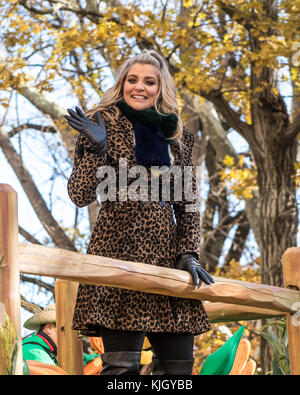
pixel 150 82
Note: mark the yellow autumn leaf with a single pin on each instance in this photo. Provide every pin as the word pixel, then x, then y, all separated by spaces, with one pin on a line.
pixel 187 3
pixel 228 161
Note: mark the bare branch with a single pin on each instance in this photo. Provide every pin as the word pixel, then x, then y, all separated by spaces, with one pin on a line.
pixel 213 128
pixel 56 233
pixel 28 236
pixel 41 11
pixel 236 14
pixel 38 282
pixel 33 308
pixel 229 114
pixel 27 125
pixel 239 241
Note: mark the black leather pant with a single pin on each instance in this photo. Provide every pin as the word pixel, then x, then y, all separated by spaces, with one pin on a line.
pixel 166 346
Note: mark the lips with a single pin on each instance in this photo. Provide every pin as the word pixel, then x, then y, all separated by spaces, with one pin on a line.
pixel 139 97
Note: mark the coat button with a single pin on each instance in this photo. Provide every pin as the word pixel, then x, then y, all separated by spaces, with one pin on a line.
pixel 161 203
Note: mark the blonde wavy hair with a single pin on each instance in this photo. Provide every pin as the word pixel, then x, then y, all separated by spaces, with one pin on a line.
pixel 165 101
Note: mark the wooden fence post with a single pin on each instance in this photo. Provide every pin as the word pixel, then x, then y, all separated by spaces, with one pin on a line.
pixel 10 301
pixel 291 273
pixel 69 347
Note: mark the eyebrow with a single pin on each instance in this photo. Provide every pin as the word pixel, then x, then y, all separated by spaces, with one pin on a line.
pixel 133 75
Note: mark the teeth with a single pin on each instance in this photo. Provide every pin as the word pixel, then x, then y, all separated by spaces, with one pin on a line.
pixel 139 97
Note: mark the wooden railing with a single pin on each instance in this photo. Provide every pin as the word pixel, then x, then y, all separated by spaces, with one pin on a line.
pixel 226 300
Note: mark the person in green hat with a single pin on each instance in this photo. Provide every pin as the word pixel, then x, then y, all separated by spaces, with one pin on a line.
pixel 42 344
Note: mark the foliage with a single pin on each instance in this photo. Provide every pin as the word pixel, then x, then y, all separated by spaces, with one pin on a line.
pixel 8 347
pixel 297 175
pixel 217 49
pixel 275 332
pixel 240 179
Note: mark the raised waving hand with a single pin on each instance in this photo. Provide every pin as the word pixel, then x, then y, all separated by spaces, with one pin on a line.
pixel 95 133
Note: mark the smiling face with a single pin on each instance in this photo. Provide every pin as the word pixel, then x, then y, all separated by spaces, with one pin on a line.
pixel 141 86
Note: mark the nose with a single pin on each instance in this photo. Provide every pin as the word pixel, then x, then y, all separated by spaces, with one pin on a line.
pixel 140 86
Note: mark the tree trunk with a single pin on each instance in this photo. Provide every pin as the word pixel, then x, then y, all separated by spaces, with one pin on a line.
pixel 278 212
pixel 274 151
pixel 274 154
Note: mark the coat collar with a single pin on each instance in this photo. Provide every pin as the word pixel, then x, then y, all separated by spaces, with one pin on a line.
pixel 50 343
pixel 120 137
pixel 167 122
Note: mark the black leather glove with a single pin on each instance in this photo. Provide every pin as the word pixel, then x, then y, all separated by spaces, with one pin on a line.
pixel 189 263
pixel 96 134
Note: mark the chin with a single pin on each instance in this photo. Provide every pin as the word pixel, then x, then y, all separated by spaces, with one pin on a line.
pixel 139 106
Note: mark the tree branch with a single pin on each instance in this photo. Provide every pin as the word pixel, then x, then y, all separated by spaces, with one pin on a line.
pixel 236 14
pixel 27 125
pixel 33 308
pixel 231 116
pixel 49 223
pixel 294 128
pixel 48 107
pixel 239 241
pixel 28 236
pixel 213 128
pixel 37 282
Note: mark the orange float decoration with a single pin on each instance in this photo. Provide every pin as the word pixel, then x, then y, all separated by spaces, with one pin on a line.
pixel 94 367
pixel 37 368
pixel 97 344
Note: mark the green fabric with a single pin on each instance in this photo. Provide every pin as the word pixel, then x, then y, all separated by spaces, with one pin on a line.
pixel 89 357
pixel 221 361
pixel 168 122
pixel 36 352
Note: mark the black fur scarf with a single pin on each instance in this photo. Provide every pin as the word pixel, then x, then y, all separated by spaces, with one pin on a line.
pixel 153 134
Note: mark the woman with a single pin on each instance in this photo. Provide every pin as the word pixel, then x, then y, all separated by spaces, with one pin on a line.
pixel 138 121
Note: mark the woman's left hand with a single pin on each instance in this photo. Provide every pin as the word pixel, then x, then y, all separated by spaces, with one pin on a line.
pixel 189 263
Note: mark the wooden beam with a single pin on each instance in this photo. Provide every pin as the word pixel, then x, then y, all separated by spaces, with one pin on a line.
pixel 69 347
pixel 225 312
pixel 91 269
pixel 10 300
pixel 291 275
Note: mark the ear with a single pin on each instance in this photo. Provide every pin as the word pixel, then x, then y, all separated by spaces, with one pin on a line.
pixel 48 328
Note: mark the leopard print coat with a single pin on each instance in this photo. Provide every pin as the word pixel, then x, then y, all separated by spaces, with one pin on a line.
pixel 134 231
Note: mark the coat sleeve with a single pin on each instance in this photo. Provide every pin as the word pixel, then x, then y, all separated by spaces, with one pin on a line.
pixel 83 181
pixel 36 354
pixel 187 211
